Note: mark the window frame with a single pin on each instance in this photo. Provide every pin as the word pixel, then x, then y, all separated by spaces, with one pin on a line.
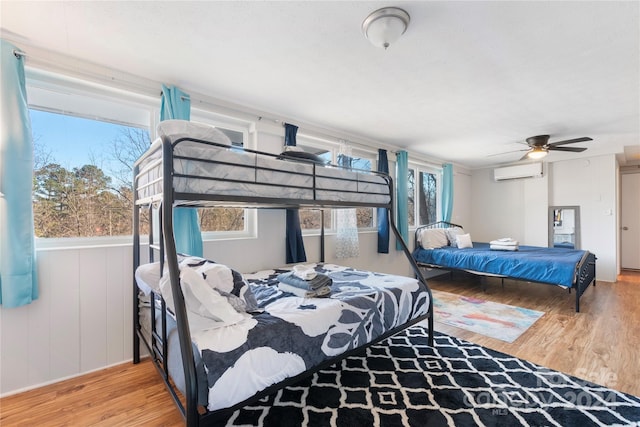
pixel 245 127
pixel 328 146
pixel 372 157
pixel 56 93
pixel 418 168
pixel 333 148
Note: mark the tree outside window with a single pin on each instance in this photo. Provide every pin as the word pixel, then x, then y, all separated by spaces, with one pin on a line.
pixel 427 198
pixel 411 192
pixel 82 184
pixel 426 194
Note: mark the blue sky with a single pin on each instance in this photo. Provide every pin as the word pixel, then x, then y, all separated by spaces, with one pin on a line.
pixel 74 141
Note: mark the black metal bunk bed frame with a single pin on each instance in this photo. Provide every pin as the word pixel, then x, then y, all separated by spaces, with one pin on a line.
pixel 585 272
pixel 165 247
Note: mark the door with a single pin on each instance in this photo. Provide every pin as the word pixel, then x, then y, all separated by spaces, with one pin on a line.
pixel 630 221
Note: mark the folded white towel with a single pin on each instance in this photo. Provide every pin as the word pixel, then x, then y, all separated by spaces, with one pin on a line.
pixel 495 247
pixel 305 272
pixel 506 241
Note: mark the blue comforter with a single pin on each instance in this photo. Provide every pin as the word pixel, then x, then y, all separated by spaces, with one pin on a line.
pixel 538 264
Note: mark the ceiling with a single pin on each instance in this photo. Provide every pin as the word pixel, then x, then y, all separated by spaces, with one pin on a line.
pixel 468 80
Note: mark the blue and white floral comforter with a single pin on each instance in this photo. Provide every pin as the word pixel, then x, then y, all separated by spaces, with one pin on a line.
pixel 294 334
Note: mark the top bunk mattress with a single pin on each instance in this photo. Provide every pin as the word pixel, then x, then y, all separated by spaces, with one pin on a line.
pixel 206 167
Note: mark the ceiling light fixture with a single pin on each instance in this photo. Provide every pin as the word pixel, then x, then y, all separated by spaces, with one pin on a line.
pixel 384 26
pixel 537 153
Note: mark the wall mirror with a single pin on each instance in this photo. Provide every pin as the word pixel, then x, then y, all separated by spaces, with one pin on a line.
pixel 564 227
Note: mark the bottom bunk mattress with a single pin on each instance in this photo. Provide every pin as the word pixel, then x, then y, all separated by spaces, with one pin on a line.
pixel 286 335
pixel 556 266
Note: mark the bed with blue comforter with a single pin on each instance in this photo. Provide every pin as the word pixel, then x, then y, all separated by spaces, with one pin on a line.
pixel 569 268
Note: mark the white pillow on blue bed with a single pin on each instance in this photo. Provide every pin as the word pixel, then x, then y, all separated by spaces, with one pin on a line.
pixel 452 233
pixel 464 241
pixel 432 238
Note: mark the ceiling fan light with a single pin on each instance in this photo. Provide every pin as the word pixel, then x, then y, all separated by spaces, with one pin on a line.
pixel 384 26
pixel 537 153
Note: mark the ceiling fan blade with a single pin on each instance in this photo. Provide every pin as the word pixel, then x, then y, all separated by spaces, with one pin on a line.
pixel 507 152
pixel 570 141
pixel 525 156
pixel 572 149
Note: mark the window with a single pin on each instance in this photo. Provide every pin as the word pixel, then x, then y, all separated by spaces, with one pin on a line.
pixel 82 175
pixel 423 201
pixel 86 139
pixel 310 219
pixel 411 197
pixel 230 221
pixel 427 198
pixel 364 215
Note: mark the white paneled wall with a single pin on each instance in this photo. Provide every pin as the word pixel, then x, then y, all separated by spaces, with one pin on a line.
pixel 81 321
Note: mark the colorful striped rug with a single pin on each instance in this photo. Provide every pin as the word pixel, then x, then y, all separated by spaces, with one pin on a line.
pixel 500 321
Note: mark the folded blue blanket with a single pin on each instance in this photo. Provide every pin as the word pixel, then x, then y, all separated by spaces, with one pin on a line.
pixel 314 284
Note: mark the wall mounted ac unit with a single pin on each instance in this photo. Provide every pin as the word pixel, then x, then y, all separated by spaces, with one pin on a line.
pixel 528 170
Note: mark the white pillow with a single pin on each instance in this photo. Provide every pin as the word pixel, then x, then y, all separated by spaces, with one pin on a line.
pixel 204 301
pixel 464 241
pixel 228 282
pixel 452 233
pixel 186 128
pixel 148 277
pixel 206 308
pixel 431 238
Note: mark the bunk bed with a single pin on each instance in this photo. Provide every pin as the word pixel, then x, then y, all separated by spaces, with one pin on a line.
pixel 206 345
pixel 567 268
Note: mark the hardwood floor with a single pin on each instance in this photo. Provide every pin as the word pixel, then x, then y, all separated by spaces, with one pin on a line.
pixel 597 344
pixel 123 395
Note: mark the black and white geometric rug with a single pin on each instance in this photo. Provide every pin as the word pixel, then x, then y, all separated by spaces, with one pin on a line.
pixel 404 382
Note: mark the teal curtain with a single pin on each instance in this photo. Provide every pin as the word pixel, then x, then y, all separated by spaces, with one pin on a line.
pixel 402 196
pixel 18 279
pixel 447 191
pixel 176 104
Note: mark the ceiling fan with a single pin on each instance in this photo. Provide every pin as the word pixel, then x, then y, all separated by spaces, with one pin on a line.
pixel 539 146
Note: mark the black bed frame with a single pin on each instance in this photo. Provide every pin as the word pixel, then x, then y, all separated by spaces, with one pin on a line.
pixel 585 273
pixel 162 247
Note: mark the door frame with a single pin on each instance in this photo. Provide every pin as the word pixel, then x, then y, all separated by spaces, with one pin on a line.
pixel 627 170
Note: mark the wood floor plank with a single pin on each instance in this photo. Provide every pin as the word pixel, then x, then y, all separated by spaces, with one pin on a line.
pixel 598 344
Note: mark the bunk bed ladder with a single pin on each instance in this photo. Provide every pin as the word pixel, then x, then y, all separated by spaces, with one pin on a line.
pixel 167 242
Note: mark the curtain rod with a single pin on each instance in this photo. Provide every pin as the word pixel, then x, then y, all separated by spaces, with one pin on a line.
pixel 19 53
